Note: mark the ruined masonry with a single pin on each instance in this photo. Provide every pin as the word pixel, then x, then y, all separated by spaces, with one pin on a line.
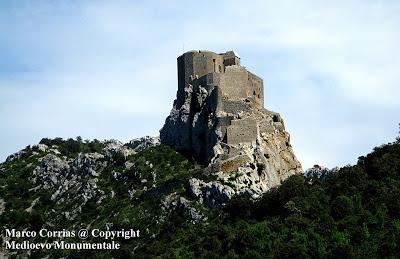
pixel 218 119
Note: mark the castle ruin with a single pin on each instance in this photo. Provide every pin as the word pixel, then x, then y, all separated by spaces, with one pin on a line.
pixel 232 84
pixel 219 119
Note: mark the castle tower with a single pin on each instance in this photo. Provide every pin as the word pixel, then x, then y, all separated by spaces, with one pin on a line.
pixel 222 70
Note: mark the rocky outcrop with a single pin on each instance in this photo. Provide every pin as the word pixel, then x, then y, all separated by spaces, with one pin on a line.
pixel 72 180
pixel 190 128
pixel 182 205
pixel 116 148
pixel 212 194
pixel 76 179
pixel 219 120
pixel 141 144
pixel 318 171
pixel 51 172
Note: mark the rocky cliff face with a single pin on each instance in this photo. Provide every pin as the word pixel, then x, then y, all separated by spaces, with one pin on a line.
pixel 244 145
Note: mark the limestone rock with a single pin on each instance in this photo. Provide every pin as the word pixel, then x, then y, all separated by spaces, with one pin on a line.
pixel 114 147
pixel 213 194
pixel 40 147
pixel 51 172
pixel 182 205
pixel 319 171
pixel 143 143
pixel 219 119
pixel 73 179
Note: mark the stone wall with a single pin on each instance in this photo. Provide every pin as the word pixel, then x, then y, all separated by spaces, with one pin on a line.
pixel 194 65
pixel 231 58
pixel 241 131
pixel 223 70
pixel 235 107
pixel 207 62
pixel 234 82
pixel 256 88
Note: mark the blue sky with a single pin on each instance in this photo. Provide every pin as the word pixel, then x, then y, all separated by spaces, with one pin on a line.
pixel 107 69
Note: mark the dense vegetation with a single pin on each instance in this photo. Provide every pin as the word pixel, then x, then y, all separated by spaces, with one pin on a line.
pixel 353 213
pixel 72 147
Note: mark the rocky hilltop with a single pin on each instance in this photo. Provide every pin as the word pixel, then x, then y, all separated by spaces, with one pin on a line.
pixel 203 210
pixel 74 184
pixel 219 119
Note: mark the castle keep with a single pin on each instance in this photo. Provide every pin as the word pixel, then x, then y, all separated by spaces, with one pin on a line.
pixel 210 70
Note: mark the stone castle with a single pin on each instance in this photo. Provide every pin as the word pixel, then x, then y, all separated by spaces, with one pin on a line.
pixel 233 83
pixel 223 70
pixel 219 119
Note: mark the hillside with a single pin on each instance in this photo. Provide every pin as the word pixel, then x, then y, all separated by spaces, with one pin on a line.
pixel 71 184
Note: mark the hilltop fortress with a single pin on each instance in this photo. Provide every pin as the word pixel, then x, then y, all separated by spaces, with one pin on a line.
pixel 218 119
pixel 206 70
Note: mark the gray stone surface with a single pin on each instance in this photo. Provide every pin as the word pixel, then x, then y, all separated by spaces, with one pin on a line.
pixel 242 131
pixel 182 205
pixel 114 147
pixel 143 143
pixel 213 194
pixel 72 179
pixel 235 106
pixel 318 171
